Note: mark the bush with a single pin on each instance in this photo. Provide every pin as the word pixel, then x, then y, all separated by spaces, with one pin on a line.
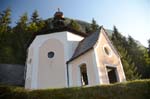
pixel 139 89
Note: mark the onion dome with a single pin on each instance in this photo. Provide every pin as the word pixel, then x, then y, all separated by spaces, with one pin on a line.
pixel 59 14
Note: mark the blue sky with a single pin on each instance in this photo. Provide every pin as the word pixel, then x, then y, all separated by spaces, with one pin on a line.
pixel 131 17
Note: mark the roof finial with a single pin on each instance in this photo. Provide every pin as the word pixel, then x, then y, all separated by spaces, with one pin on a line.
pixel 58 14
pixel 58 9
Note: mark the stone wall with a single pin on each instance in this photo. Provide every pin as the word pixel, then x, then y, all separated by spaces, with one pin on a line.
pixel 12 74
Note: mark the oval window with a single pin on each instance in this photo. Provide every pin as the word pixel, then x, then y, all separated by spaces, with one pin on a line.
pixel 107 51
pixel 50 54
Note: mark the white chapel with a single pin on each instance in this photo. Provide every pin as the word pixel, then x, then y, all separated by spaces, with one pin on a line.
pixel 69 58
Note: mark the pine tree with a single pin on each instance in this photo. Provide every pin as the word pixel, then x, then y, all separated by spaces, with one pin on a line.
pixel 149 48
pixel 21 35
pixel 128 65
pixel 116 37
pixel 92 28
pixel 94 25
pixel 5 20
pixel 5 33
pixel 147 61
pixel 35 17
pixel 34 21
pixel 137 55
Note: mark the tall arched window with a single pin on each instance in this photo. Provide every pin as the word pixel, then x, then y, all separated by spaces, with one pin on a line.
pixel 84 76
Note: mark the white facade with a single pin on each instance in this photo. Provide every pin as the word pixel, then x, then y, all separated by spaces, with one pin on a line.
pixel 54 71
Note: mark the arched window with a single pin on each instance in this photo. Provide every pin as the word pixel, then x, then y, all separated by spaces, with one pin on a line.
pixel 84 76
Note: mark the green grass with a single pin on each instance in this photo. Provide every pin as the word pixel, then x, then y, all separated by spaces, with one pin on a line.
pixel 139 89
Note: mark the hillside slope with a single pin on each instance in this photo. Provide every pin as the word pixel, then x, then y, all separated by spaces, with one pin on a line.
pixel 129 90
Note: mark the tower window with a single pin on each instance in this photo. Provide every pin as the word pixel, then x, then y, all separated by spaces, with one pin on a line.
pixel 50 54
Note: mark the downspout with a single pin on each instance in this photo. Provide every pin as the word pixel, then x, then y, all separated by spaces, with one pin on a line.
pixel 67 73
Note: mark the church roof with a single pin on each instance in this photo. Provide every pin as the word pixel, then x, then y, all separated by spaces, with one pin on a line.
pixel 86 44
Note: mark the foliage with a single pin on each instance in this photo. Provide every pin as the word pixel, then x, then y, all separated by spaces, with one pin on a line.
pixel 35 17
pixel 130 90
pixel 5 32
pixel 129 66
pixel 73 24
pixel 13 41
pixel 36 23
pixel 147 61
pixel 149 48
pixel 93 27
pixel 21 36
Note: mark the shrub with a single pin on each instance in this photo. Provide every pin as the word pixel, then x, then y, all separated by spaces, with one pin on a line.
pixel 139 89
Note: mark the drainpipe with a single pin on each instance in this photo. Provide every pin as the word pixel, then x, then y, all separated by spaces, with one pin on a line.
pixel 67 73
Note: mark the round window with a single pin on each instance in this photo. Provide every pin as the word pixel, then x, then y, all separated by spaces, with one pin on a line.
pixel 107 51
pixel 50 54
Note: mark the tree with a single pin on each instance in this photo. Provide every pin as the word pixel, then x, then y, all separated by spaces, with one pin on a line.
pixel 149 48
pixel 92 28
pixel 36 23
pixel 35 17
pixel 129 67
pixel 5 20
pixel 147 61
pixel 34 20
pixel 21 36
pixel 73 24
pixel 5 17
pixel 134 50
pixel 94 25
pixel 5 39
pixel 88 30
pixel 116 37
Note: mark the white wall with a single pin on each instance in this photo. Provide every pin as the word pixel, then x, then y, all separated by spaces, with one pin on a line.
pixel 104 60
pixel 39 45
pixel 92 72
pixel 51 71
pixel 96 61
pixel 72 41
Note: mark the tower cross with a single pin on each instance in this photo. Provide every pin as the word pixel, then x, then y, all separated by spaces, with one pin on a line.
pixel 58 9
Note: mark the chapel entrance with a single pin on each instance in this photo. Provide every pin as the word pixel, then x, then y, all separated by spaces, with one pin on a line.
pixel 83 76
pixel 112 74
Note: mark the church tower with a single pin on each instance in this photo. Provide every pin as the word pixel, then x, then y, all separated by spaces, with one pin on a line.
pixel 58 20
